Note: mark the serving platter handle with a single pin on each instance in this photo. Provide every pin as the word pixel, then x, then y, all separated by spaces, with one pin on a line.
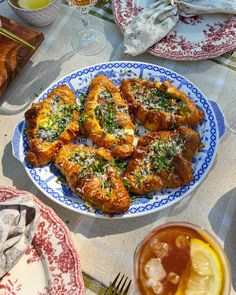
pixel 220 119
pixel 16 138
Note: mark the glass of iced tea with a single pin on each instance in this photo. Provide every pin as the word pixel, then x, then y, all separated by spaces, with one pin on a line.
pixel 88 41
pixel 179 258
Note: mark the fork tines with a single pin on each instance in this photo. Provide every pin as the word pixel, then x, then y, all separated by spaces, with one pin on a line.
pixel 118 285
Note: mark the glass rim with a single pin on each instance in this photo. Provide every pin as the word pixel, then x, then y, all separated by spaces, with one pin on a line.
pixel 209 237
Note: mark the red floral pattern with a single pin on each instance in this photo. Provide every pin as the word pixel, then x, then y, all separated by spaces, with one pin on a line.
pixel 196 19
pixel 53 245
pixel 215 37
pixel 10 287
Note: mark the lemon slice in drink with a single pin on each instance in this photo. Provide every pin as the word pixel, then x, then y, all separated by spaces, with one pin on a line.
pixel 204 274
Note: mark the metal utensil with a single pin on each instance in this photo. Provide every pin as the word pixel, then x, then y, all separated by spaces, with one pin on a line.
pixel 117 287
pixel 14 37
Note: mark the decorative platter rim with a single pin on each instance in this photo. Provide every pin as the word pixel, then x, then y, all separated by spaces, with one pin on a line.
pixel 213 44
pixel 52 247
pixel 138 69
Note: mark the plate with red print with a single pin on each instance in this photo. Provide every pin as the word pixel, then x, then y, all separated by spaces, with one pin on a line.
pixel 51 264
pixel 193 38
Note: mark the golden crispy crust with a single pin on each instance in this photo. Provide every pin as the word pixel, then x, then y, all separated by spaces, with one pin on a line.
pixel 108 122
pixel 147 171
pixel 50 124
pixel 91 175
pixel 153 112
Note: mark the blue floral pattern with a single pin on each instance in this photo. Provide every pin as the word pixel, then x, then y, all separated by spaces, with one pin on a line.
pixel 46 178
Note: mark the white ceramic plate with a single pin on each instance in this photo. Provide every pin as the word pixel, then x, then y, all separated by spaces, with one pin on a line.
pixel 210 130
pixel 51 264
pixel 193 38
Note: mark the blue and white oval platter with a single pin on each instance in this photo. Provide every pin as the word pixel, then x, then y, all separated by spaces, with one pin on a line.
pixel 211 131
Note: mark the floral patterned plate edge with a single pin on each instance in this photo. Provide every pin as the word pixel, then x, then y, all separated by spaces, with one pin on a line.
pixel 210 130
pixel 51 265
pixel 193 38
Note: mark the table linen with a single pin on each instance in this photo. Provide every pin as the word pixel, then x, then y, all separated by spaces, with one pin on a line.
pixel 19 217
pixel 154 23
pixel 106 247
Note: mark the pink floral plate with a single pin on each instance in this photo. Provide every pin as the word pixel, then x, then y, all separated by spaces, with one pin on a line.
pixel 51 264
pixel 193 38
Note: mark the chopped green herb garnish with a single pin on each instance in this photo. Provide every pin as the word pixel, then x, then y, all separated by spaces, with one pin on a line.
pixel 139 177
pixel 83 118
pixel 163 152
pixel 90 207
pixel 94 165
pixel 126 183
pixel 135 198
pixel 106 185
pixel 202 145
pixel 155 99
pixel 159 156
pixel 58 117
pixel 125 73
pixel 61 179
pixel 81 100
pixel 119 165
pixel 90 163
pixel 105 114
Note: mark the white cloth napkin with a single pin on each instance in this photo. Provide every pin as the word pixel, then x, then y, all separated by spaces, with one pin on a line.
pixel 18 220
pixel 155 22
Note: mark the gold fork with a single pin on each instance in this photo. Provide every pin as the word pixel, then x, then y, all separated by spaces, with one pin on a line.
pixel 116 287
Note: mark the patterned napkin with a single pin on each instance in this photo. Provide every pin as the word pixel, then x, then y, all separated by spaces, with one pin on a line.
pixel 155 22
pixel 18 219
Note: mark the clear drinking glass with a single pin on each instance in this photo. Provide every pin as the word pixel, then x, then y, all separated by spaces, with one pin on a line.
pixel 173 255
pixel 230 115
pixel 88 41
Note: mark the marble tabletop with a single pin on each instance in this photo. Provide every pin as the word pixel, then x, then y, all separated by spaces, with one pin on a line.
pixel 106 247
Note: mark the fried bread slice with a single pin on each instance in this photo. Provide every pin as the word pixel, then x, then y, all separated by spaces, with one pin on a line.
pixel 91 174
pixel 162 160
pixel 50 124
pixel 160 106
pixel 108 122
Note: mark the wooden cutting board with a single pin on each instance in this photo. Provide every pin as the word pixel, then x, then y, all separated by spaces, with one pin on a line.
pixel 14 56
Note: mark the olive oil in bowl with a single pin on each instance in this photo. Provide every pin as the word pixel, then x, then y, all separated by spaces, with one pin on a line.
pixel 33 4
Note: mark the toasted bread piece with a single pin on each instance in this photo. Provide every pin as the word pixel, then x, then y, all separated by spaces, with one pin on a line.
pixel 162 160
pixel 50 124
pixel 160 106
pixel 92 175
pixel 108 122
